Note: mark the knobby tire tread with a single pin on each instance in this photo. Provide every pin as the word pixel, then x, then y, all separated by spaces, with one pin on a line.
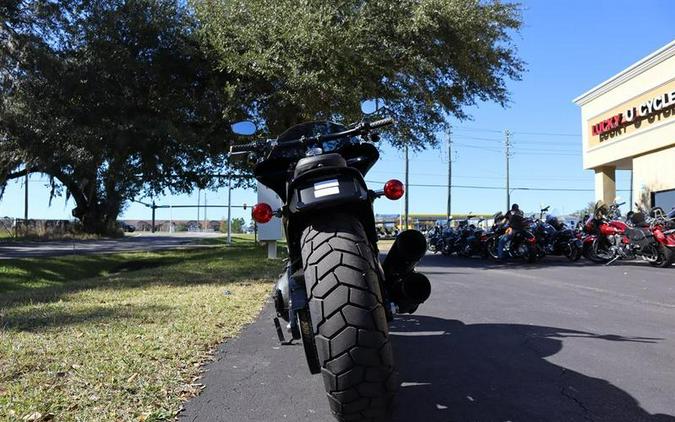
pixel 348 318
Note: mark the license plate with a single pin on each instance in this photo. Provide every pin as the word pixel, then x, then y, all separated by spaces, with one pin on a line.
pixel 326 188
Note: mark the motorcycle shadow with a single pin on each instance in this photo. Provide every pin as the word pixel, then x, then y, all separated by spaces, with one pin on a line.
pixel 451 371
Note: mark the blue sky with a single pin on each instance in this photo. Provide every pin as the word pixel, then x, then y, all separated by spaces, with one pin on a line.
pixel 569 46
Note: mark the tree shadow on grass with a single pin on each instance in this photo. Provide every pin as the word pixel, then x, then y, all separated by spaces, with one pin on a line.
pixel 47 280
pixel 451 371
pixel 27 319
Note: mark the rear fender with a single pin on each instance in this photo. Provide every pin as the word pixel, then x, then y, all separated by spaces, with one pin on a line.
pixel 325 190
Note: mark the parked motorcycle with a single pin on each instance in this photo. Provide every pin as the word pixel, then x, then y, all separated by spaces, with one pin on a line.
pixel 491 237
pixel 610 238
pixel 435 239
pixel 449 238
pixel 523 245
pixel 555 238
pixel 472 244
pixel 334 293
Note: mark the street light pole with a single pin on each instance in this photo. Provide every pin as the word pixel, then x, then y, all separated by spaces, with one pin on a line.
pixel 449 213
pixel 229 211
pixel 507 151
pixel 407 188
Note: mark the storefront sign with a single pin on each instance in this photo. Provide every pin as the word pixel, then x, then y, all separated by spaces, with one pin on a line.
pixel 653 106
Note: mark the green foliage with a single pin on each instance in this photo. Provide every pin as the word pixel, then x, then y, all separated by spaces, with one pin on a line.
pixel 110 99
pixel 238 225
pixel 124 98
pixel 302 60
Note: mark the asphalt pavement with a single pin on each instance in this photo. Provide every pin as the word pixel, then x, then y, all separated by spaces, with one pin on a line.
pixel 131 242
pixel 548 342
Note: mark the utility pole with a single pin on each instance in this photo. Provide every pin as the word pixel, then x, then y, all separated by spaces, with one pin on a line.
pixel 229 211
pixel 449 213
pixel 507 151
pixel 407 188
pixel 206 221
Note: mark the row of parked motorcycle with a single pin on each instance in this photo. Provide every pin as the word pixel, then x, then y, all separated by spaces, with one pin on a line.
pixel 603 237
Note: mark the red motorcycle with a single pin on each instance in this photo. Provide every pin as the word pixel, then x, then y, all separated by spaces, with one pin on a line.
pixel 608 238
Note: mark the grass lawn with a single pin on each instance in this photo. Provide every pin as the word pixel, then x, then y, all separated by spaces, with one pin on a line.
pixel 121 336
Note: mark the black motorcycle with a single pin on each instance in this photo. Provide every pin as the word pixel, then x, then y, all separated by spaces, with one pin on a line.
pixel 555 238
pixel 490 238
pixel 334 294
pixel 523 245
pixel 435 239
pixel 472 243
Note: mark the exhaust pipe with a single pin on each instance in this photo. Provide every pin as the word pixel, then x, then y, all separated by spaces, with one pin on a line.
pixel 408 248
pixel 410 291
pixel 405 287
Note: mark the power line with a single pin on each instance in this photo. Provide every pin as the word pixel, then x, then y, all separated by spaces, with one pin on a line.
pixel 472 129
pixel 474 138
pixel 423 185
pixel 576 135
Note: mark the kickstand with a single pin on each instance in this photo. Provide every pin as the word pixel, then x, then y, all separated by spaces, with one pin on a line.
pixel 280 333
pixel 612 260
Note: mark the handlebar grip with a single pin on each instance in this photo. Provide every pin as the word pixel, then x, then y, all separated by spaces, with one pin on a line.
pixel 242 147
pixel 380 123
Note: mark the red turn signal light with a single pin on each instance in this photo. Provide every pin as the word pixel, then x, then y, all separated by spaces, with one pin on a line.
pixel 394 189
pixel 262 213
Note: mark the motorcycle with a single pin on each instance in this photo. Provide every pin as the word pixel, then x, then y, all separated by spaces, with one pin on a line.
pixel 334 294
pixel 523 245
pixel 473 243
pixel 461 233
pixel 555 238
pixel 449 238
pixel 490 238
pixel 610 238
pixel 435 239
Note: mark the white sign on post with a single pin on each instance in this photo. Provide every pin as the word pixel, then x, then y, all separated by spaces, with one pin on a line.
pixel 271 231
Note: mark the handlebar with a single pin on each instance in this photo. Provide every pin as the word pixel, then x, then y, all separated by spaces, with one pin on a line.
pixel 358 129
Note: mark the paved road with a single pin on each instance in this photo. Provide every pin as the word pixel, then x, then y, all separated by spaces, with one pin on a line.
pixel 555 342
pixel 132 242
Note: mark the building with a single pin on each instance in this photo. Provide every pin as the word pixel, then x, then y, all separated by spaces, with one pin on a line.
pixel 628 123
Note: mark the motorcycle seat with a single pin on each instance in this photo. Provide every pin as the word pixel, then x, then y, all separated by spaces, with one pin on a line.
pixel 638 233
pixel 315 161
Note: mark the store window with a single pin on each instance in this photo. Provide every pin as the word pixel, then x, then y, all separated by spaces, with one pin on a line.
pixel 664 199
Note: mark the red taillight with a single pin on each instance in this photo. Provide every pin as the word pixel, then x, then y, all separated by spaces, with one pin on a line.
pixel 394 189
pixel 262 213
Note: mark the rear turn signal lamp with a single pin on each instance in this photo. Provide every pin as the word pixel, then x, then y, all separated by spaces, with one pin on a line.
pixel 394 189
pixel 262 213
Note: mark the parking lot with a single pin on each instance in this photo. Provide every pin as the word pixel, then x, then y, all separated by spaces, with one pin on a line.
pixel 549 342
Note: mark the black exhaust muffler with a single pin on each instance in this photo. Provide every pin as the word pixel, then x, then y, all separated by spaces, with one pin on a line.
pixel 405 287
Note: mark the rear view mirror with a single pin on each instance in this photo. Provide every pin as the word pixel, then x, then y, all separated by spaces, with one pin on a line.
pixel 371 106
pixel 245 128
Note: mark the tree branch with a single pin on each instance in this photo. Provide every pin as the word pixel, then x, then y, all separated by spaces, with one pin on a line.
pixel 17 174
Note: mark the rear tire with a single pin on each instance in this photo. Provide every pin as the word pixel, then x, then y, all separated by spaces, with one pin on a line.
pixel 491 248
pixel 664 256
pixel 591 252
pixel 348 318
pixel 572 252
